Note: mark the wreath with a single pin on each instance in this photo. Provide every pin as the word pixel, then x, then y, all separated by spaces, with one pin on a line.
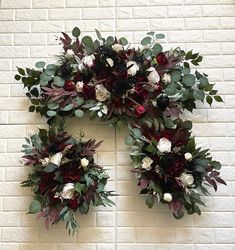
pixel 146 89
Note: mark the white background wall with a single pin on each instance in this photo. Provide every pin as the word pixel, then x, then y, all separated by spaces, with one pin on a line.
pixel 27 33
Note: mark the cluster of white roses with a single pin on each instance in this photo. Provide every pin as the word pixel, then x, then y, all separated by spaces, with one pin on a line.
pixel 164 146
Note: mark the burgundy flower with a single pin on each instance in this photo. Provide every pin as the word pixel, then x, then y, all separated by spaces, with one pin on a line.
pixel 73 203
pixel 88 92
pixel 140 110
pixel 69 86
pixel 161 59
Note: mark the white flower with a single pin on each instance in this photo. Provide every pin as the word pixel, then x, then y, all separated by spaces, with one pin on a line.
pixel 146 163
pixel 110 62
pixel 101 93
pixel 153 76
pixel 79 86
pixel 84 162
pixel 133 69
pixel 45 161
pixel 188 156
pixel 117 47
pixel 81 67
pixel 88 60
pixel 186 179
pixel 167 197
pixel 166 78
pixel 56 158
pixel 68 191
pixel 69 54
pixel 164 145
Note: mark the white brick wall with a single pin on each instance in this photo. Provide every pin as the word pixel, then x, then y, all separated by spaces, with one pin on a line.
pixel 27 33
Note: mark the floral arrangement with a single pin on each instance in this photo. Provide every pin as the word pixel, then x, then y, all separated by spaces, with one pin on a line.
pixel 64 177
pixel 146 88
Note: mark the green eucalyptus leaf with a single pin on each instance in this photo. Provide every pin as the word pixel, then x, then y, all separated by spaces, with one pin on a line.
pixel 110 40
pixel 40 65
pixel 53 105
pixel 17 77
pixel 58 81
pixel 123 41
pixel 68 107
pixel 51 113
pixel 149 201
pixel 87 41
pixel 188 80
pixel 156 49
pixel 175 75
pixel 218 98
pixel 98 34
pixel 146 40
pixel 129 140
pixel 79 113
pixel 76 32
pixel 35 207
pixel 160 36
pixel 209 100
pixel 79 101
pixel 199 94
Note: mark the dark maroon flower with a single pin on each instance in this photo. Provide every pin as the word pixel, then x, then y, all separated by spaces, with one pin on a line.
pixel 69 86
pixel 88 92
pixel 161 59
pixel 73 203
pixel 140 110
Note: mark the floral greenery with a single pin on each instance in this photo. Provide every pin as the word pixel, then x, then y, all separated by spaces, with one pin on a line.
pixel 64 177
pixel 146 88
pixel 179 169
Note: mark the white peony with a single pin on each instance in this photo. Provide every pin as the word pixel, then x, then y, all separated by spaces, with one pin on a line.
pixel 88 60
pixel 186 179
pixel 166 78
pixel 146 163
pixel 84 162
pixel 69 54
pixel 101 93
pixel 56 158
pixel 68 191
pixel 117 47
pixel 110 62
pixel 188 156
pixel 79 86
pixel 153 76
pixel 167 197
pixel 133 69
pixel 164 145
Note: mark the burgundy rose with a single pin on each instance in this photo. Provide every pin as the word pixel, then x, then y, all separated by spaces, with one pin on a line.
pixel 73 203
pixel 69 86
pixel 140 110
pixel 161 59
pixel 88 92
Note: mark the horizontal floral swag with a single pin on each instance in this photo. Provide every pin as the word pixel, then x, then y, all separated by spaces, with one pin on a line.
pixel 145 88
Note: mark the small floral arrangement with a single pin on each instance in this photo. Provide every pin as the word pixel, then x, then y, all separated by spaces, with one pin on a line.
pixel 146 88
pixel 170 168
pixel 64 177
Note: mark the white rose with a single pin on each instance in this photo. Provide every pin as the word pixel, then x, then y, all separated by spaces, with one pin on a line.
pixel 166 78
pixel 133 69
pixel 164 145
pixel 56 158
pixel 167 197
pixel 79 86
pixel 88 60
pixel 110 62
pixel 117 47
pixel 101 93
pixel 146 163
pixel 153 76
pixel 84 162
pixel 186 179
pixel 68 191
pixel 188 156
pixel 69 54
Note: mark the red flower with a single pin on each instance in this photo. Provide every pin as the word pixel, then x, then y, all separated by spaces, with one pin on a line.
pixel 73 204
pixel 139 110
pixel 168 134
pixel 161 59
pixel 69 86
pixel 88 92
